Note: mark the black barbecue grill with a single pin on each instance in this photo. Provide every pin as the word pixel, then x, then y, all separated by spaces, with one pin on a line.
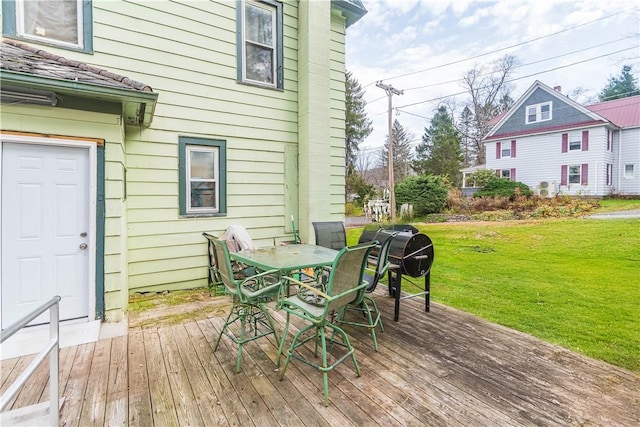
pixel 411 254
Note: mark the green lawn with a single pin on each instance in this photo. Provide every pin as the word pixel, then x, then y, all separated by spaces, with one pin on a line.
pixel 572 282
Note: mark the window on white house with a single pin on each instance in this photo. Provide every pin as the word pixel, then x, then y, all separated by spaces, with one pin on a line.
pixel 609 174
pixel 575 141
pixel 506 150
pixel 260 51
pixel 505 173
pixel 202 176
pixel 538 112
pixel 574 174
pixel 629 171
pixel 63 23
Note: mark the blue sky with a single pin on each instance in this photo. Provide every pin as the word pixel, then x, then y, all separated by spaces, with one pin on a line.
pixel 436 40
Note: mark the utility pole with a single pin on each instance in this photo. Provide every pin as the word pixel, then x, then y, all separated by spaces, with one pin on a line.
pixel 390 90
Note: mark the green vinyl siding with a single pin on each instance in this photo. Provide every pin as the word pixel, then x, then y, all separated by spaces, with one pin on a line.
pixel 111 229
pixel 285 148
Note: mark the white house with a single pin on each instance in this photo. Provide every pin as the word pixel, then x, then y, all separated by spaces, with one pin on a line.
pixel 555 145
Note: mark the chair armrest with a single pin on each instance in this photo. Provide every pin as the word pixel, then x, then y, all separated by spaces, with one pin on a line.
pixel 313 289
pixel 262 287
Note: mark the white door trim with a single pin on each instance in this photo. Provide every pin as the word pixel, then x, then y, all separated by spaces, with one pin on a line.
pixel 89 144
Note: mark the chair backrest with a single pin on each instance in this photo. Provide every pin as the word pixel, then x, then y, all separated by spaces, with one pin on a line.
pixel 384 238
pixel 223 262
pixel 237 238
pixel 330 234
pixel 346 273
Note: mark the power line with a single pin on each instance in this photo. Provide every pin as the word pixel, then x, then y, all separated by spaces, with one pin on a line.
pixel 505 48
pixel 527 76
pixel 524 65
pixel 557 109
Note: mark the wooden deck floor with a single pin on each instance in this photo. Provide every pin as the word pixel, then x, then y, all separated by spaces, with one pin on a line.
pixel 439 368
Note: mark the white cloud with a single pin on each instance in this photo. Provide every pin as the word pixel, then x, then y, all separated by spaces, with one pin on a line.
pixel 430 39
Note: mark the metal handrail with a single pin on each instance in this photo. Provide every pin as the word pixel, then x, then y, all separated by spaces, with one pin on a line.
pixel 52 350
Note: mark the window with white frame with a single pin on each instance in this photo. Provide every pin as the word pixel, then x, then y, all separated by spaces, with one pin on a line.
pixel 63 23
pixel 538 112
pixel 202 176
pixel 574 174
pixel 575 141
pixel 629 171
pixel 260 42
pixel 505 173
pixel 609 174
pixel 505 150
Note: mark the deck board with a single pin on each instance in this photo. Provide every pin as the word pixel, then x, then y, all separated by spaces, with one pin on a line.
pixel 440 368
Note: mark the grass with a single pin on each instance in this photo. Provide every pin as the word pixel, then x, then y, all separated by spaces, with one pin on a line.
pixel 573 282
pixel 612 205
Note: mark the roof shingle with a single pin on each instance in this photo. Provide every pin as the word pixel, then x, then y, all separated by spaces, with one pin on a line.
pixel 23 58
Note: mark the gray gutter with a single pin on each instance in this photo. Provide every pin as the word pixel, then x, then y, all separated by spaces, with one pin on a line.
pixel 138 107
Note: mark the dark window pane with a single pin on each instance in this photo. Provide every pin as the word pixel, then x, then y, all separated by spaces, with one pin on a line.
pixel 259 64
pixel 203 195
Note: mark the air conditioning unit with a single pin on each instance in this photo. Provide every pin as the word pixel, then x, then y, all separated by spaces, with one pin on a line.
pixel 546 189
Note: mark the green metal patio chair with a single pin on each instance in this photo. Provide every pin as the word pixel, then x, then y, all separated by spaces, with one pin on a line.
pixel 249 318
pixel 376 268
pixel 345 280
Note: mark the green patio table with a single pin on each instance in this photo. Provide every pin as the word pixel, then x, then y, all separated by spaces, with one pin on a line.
pixel 286 258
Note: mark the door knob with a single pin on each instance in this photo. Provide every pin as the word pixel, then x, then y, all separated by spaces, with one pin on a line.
pixel 83 246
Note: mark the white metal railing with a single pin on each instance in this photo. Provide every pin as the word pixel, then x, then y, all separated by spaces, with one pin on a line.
pixel 52 350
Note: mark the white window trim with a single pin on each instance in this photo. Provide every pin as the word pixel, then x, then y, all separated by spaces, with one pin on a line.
pixel 216 178
pixel 505 151
pixel 575 138
pixel 569 174
pixel 273 47
pixel 538 108
pixel 633 171
pixel 79 27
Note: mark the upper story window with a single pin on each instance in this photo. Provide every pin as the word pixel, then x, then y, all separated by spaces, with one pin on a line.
pixel 575 141
pixel 62 23
pixel 260 55
pixel 538 112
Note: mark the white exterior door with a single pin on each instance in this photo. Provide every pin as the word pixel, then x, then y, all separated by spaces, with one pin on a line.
pixel 45 230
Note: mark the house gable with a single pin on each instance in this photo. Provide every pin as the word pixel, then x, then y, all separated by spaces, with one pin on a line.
pixel 563 114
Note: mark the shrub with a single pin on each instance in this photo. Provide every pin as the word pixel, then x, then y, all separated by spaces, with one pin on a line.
pixel 427 194
pixel 349 208
pixel 504 187
pixel 481 177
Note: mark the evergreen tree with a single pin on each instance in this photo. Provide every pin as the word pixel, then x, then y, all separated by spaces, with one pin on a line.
pixel 467 145
pixel 620 87
pixel 357 125
pixel 439 152
pixel 401 152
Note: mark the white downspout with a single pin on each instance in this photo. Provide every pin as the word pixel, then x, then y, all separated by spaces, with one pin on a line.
pixel 620 165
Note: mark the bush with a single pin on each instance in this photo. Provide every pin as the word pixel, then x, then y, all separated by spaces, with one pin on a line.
pixel 427 194
pixel 349 209
pixel 504 187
